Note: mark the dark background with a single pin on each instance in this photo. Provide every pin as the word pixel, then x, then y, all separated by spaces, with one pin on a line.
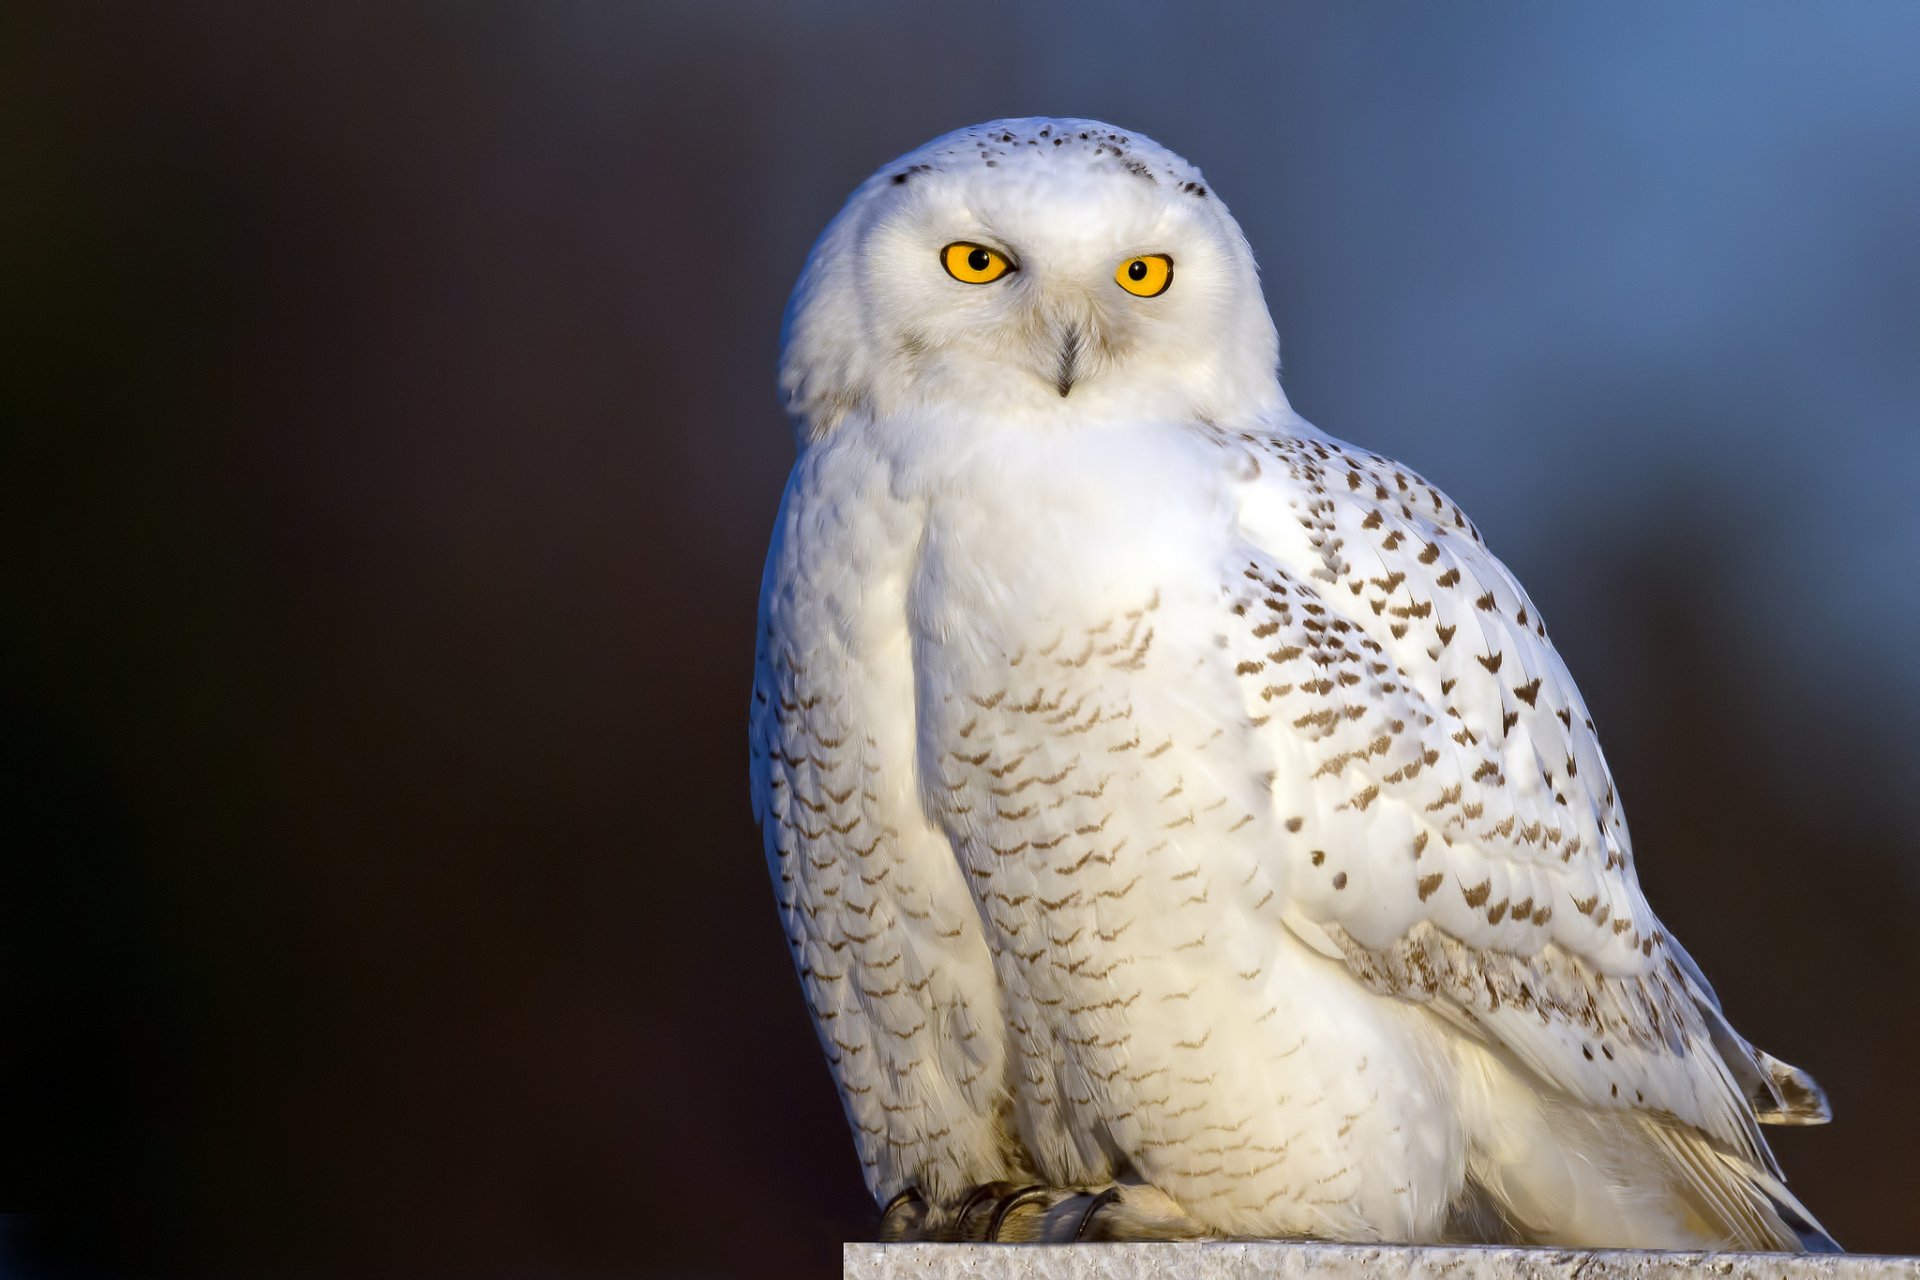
pixel 391 446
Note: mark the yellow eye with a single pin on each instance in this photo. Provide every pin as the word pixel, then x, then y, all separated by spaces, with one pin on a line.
pixel 974 263
pixel 1145 277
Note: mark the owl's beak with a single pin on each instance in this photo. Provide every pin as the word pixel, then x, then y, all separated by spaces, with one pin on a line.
pixel 1069 356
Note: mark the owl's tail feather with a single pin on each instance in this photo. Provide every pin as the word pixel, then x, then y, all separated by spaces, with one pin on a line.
pixel 1548 1170
pixel 1813 1236
pixel 1802 1100
pixel 1746 1206
pixel 1778 1092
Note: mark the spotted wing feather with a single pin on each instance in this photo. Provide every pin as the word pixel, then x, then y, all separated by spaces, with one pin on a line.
pixel 1453 833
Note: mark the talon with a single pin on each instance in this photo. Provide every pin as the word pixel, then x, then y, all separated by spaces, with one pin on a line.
pixel 1100 1202
pixel 978 1196
pixel 1025 1195
pixel 909 1196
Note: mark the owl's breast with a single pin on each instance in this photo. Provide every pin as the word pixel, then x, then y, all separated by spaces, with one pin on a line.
pixel 1027 534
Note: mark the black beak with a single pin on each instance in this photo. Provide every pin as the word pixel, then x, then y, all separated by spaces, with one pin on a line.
pixel 1069 355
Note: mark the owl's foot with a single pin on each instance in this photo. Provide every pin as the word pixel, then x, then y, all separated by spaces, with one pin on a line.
pixel 992 1211
pixel 1123 1211
pixel 1010 1213
pixel 1002 1211
pixel 904 1217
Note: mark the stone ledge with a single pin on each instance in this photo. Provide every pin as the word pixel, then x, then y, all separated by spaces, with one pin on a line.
pixel 1276 1260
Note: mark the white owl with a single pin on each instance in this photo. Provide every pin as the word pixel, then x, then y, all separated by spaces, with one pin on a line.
pixel 1180 819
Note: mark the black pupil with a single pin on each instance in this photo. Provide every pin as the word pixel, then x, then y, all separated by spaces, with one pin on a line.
pixel 1137 270
pixel 979 259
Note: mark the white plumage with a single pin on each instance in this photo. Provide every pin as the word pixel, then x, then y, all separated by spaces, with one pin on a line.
pixel 1160 791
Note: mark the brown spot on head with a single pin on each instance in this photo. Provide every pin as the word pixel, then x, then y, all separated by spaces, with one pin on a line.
pixel 1319 856
pixel 1294 824
pixel 1340 880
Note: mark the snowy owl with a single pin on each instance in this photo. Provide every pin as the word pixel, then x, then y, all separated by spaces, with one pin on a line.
pixel 1180 820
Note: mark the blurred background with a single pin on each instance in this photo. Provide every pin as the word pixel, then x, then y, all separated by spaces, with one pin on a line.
pixel 393 445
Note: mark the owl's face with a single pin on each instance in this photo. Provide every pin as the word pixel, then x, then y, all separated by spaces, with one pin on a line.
pixel 1058 271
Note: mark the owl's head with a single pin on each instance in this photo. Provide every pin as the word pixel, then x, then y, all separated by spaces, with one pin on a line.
pixel 1054 271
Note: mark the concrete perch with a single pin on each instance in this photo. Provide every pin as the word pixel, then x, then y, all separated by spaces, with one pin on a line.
pixel 1278 1260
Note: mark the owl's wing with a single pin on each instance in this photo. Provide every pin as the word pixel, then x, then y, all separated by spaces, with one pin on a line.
pixel 881 926
pixel 1455 837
